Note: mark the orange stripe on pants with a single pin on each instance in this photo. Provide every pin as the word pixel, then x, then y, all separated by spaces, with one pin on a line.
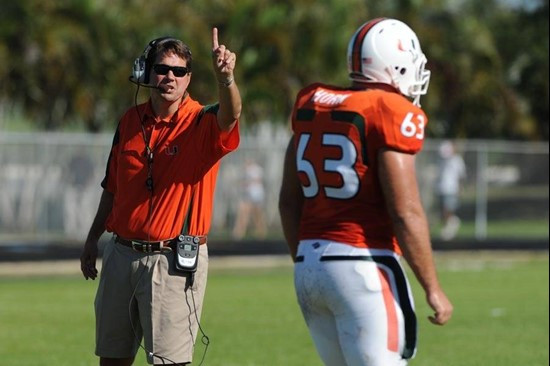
pixel 393 332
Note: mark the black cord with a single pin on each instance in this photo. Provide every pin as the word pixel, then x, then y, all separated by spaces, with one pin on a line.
pixel 149 219
pixel 149 157
pixel 149 353
pixel 204 339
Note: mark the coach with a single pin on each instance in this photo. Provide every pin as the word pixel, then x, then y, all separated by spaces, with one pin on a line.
pixel 157 202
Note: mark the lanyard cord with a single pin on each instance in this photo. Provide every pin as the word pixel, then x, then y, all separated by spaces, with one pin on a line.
pixel 187 220
pixel 149 181
pixel 149 157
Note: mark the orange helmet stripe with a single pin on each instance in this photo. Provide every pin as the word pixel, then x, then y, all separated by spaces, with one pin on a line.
pixel 358 43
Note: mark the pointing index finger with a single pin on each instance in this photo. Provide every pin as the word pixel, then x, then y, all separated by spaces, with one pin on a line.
pixel 215 43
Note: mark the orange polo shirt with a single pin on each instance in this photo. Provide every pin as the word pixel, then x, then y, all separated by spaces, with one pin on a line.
pixel 186 154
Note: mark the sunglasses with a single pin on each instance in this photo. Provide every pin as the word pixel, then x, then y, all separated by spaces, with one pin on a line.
pixel 178 71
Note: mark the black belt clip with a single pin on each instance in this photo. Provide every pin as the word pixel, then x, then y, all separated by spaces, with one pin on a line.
pixel 197 240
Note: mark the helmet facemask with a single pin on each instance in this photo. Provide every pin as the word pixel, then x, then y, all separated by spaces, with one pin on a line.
pixel 416 83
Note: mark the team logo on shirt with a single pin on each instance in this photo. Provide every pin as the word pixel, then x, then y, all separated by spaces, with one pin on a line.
pixel 171 150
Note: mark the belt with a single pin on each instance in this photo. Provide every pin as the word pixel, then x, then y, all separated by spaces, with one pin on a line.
pixel 159 246
pixel 300 258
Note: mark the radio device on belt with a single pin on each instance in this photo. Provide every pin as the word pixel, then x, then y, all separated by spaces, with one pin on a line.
pixel 186 256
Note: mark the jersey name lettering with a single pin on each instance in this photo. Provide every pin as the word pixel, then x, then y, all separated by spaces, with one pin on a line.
pixel 324 97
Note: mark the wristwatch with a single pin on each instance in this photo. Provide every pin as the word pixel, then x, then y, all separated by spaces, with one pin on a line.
pixel 227 82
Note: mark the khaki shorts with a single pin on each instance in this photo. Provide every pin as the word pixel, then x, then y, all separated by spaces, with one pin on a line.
pixel 140 295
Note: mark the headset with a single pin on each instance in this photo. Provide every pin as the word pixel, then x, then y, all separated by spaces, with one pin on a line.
pixel 141 71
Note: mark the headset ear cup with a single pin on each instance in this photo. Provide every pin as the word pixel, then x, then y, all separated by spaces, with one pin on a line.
pixel 139 70
pixel 142 66
pixel 146 69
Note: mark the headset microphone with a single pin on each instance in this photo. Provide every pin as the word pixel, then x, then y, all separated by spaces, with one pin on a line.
pixel 133 80
pixel 141 68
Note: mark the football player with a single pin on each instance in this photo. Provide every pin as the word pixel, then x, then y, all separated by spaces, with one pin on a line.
pixel 350 205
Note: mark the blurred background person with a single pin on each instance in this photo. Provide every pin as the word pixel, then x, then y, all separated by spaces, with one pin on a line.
pixel 452 171
pixel 251 205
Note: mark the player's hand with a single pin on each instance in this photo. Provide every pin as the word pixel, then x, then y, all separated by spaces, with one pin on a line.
pixel 88 259
pixel 223 59
pixel 443 309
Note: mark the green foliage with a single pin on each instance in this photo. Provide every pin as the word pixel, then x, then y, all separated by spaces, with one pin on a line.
pixel 67 62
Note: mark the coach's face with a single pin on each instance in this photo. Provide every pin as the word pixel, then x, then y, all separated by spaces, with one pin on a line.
pixel 172 85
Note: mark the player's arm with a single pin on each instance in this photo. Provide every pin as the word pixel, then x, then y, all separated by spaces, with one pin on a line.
pixel 291 200
pixel 230 98
pixel 89 252
pixel 398 180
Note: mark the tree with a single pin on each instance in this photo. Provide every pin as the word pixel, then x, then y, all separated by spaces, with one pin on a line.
pixel 67 62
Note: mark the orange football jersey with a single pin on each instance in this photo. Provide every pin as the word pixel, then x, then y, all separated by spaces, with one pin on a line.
pixel 337 134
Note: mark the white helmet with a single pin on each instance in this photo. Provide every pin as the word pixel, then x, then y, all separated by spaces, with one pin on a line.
pixel 387 51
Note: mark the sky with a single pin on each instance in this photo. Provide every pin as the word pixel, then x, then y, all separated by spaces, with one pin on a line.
pixel 516 4
pixel 526 4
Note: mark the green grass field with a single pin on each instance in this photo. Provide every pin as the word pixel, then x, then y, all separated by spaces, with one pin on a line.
pixel 252 319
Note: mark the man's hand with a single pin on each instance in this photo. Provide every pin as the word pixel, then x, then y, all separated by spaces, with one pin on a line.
pixel 87 260
pixel 441 305
pixel 223 60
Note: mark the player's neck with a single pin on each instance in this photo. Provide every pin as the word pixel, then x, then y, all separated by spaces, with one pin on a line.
pixel 364 86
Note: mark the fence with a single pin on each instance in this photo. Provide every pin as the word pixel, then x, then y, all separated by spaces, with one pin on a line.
pixel 49 186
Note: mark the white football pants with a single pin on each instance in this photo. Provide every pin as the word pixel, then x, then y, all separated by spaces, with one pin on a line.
pixel 357 304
